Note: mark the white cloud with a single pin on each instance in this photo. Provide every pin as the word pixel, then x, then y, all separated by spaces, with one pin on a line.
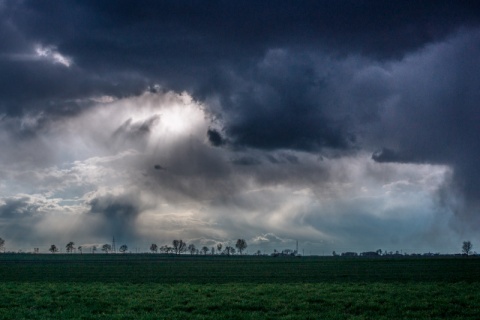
pixel 108 154
pixel 51 54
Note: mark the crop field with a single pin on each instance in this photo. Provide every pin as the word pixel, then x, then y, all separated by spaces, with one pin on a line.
pixel 151 286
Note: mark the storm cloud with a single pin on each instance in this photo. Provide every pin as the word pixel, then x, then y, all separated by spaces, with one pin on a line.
pixel 324 122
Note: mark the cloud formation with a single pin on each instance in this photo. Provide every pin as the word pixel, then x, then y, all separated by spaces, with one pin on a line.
pixel 329 124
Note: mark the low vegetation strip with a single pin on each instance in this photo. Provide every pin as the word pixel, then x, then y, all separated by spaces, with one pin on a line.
pixel 201 287
pixel 239 301
pixel 216 269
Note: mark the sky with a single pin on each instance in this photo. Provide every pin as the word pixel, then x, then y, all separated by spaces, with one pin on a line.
pixel 343 125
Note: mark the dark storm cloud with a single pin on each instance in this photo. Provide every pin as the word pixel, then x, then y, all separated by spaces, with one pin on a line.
pixel 434 114
pixel 118 48
pixel 246 161
pixel 284 83
pixel 117 214
pixel 215 138
pixel 388 155
pixel 18 208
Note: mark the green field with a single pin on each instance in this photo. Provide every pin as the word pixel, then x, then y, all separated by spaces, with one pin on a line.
pixel 204 287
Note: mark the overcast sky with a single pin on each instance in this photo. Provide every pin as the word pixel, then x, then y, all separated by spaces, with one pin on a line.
pixel 345 125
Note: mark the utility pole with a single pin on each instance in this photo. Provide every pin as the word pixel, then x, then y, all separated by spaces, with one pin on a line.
pixel 113 245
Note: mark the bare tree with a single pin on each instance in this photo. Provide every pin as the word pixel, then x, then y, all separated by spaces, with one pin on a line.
pixel 166 249
pixel 205 250
pixel 70 246
pixel 123 248
pixel 241 245
pixel 94 248
pixel 2 244
pixel 192 249
pixel 80 249
pixel 219 247
pixel 53 248
pixel 179 246
pixel 467 247
pixel 229 250
pixel 106 248
pixel 154 248
pixel 212 250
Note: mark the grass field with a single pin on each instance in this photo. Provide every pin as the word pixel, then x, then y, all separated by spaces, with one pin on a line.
pixel 170 287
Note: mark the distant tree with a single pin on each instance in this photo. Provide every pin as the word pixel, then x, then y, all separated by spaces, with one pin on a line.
pixel 179 246
pixel 379 252
pixel 229 250
pixel 154 248
pixel 80 249
pixel 334 254
pixel 258 252
pixel 467 247
pixel 205 250
pixel 192 249
pixel 94 248
pixel 123 248
pixel 106 248
pixel 70 247
pixel 241 245
pixel 2 244
pixel 53 248
pixel 166 249
pixel 212 251
pixel 219 247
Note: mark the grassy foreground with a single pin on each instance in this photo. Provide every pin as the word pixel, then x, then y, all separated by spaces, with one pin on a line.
pixel 154 287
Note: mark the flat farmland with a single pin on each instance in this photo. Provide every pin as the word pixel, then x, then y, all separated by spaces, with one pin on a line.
pixel 151 286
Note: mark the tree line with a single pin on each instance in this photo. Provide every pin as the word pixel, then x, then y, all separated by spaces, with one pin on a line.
pixel 180 247
pixel 177 247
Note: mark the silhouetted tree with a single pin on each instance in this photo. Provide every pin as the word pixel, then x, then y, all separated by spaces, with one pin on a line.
pixel 106 248
pixel 179 246
pixel 467 247
pixel 166 249
pixel 70 247
pixel 53 248
pixel 241 245
pixel 80 249
pixel 219 247
pixel 192 249
pixel 2 244
pixel 205 250
pixel 212 251
pixel 229 250
pixel 123 248
pixel 94 248
pixel 154 248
